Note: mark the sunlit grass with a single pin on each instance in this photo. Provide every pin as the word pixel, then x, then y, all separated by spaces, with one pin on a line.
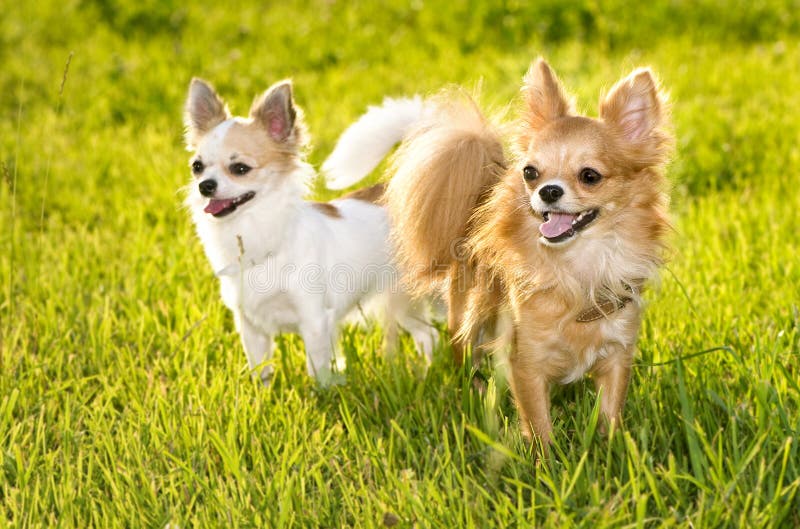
pixel 124 395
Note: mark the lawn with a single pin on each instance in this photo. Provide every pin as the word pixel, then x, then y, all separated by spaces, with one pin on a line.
pixel 125 399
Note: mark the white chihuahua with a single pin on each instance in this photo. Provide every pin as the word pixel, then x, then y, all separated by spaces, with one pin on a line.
pixel 286 264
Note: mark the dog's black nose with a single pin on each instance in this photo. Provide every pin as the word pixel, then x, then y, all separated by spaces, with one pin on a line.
pixel 551 193
pixel 207 187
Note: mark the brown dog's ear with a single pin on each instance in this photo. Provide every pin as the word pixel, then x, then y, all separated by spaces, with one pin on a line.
pixel 275 111
pixel 204 110
pixel 545 98
pixel 634 106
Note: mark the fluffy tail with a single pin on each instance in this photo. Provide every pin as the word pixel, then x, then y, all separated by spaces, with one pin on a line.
pixel 441 173
pixel 365 143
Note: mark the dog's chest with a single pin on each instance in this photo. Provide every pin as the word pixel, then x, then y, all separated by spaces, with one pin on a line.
pixel 266 303
pixel 564 349
pixel 590 342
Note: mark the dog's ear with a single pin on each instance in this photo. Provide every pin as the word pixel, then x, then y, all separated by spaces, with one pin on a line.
pixel 276 112
pixel 637 112
pixel 634 106
pixel 204 110
pixel 545 98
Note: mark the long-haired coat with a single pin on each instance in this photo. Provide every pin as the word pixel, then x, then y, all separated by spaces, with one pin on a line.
pixel 562 234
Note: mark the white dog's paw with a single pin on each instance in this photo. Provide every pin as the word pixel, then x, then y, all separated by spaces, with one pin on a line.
pixel 265 376
pixel 327 378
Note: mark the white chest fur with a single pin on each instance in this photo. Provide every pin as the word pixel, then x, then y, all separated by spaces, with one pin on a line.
pixel 618 334
pixel 305 264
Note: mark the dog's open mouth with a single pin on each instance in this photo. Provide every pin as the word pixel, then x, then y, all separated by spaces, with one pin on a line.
pixel 559 226
pixel 219 207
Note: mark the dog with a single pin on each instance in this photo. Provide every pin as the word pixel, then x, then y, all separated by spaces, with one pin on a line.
pixel 286 264
pixel 560 234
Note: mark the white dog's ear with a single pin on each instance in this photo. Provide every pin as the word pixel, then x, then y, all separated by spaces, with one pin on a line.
pixel 633 106
pixel 545 98
pixel 276 112
pixel 204 110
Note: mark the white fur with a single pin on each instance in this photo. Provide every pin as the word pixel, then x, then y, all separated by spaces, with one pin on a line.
pixel 616 337
pixel 285 266
pixel 367 141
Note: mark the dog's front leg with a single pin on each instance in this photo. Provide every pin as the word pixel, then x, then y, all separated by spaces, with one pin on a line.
pixel 611 377
pixel 532 394
pixel 257 347
pixel 318 338
pixel 531 388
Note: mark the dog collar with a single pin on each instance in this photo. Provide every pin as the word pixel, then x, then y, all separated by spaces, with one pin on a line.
pixel 606 306
pixel 602 309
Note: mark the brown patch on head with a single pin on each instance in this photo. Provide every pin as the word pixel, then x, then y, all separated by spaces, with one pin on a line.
pixel 372 194
pixel 248 142
pixel 273 135
pixel 328 209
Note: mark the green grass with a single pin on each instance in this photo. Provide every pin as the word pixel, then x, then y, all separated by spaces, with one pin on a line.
pixel 124 395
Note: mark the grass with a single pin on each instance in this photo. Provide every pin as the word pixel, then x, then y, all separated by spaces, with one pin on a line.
pixel 124 396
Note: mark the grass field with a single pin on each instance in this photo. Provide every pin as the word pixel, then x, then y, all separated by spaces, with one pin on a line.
pixel 124 395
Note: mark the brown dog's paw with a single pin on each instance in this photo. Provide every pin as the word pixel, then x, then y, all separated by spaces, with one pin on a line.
pixel 479 383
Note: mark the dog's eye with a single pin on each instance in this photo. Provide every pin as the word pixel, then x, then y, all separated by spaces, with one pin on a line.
pixel 589 176
pixel 240 169
pixel 530 173
pixel 197 167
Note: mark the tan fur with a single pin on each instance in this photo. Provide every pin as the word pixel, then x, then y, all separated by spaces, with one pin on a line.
pixel 547 287
pixel 253 141
pixel 432 211
pixel 372 194
pixel 544 98
pixel 326 208
pixel 249 143
pixel 283 121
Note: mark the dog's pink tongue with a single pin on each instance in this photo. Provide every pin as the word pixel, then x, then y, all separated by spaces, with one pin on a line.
pixel 557 224
pixel 215 206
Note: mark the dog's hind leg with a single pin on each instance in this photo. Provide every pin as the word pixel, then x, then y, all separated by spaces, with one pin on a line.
pixel 424 333
pixel 461 282
pixel 415 316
